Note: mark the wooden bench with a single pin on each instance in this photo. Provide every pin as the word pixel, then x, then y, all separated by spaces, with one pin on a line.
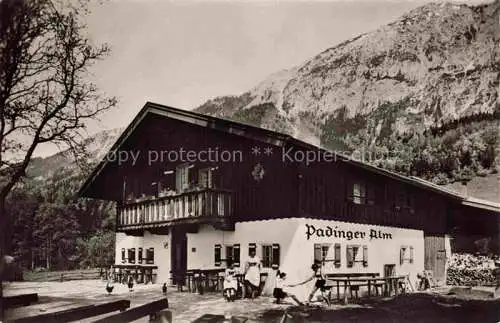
pixel 68 315
pixel 155 310
pixel 19 300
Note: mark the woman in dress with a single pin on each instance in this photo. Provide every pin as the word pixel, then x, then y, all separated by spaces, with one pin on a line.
pixel 230 284
pixel 252 274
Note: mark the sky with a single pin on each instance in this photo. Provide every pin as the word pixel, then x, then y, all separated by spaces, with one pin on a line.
pixel 183 53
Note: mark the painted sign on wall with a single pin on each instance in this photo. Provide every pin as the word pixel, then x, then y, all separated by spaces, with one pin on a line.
pixel 335 232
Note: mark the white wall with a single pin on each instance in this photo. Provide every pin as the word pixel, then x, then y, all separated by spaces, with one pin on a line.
pixel 161 254
pixel 380 251
pixel 297 253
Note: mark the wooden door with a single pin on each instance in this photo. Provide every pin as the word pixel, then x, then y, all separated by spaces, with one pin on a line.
pixel 179 255
pixel 435 257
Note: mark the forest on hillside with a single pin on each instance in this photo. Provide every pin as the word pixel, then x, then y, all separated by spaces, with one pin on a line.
pixel 454 151
pixel 50 229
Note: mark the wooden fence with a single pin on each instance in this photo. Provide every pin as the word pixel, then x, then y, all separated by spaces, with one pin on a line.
pixel 79 274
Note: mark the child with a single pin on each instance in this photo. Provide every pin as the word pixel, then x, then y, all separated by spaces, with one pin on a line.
pixel 279 293
pixel 319 284
pixel 230 284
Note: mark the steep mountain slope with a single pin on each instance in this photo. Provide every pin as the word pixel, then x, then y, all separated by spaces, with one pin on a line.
pixel 437 63
pixel 422 90
pixel 97 146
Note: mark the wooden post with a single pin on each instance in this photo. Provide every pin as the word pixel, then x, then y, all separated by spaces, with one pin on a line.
pixel 345 291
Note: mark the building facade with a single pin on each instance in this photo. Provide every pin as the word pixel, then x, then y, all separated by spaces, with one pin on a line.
pixel 198 192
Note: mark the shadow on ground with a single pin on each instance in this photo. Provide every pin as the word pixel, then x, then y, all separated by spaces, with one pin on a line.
pixel 406 308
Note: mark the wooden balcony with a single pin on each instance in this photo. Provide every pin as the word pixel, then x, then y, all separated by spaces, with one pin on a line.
pixel 214 206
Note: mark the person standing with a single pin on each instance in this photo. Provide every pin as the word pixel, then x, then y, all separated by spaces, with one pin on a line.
pixel 252 273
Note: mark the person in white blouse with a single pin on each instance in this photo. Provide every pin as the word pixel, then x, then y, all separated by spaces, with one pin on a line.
pixel 252 273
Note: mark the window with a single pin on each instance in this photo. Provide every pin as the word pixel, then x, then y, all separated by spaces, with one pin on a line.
pixel 150 256
pixel 357 254
pixel 217 254
pixel 321 251
pixel 131 255
pixel 271 256
pixel 236 255
pixel 205 178
pixel 139 256
pixel 359 193
pixel 267 254
pixel 233 255
pixel 123 255
pixel 182 178
pixel 406 255
pixel 404 200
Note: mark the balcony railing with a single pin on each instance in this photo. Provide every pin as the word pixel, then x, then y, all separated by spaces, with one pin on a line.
pixel 214 204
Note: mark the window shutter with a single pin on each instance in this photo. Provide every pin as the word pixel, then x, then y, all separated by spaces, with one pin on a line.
pixel 317 252
pixel 139 257
pixel 337 255
pixel 401 255
pixel 123 254
pixel 365 256
pixel 252 246
pixel 276 256
pixel 236 255
pixel 217 254
pixel 349 256
pixel 411 255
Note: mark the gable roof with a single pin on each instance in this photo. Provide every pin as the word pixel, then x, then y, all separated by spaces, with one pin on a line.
pixel 256 133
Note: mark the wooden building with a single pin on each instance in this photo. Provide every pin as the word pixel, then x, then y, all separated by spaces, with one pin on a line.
pixel 195 191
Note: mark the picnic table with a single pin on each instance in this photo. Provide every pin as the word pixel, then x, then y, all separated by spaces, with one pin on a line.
pixel 387 284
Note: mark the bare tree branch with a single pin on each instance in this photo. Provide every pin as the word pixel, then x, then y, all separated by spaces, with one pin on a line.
pixel 44 95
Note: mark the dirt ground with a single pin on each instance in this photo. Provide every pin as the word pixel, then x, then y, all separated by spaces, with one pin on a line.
pixel 187 307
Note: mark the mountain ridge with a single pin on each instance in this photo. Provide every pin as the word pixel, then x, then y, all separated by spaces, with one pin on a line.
pixel 320 101
pixel 404 59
